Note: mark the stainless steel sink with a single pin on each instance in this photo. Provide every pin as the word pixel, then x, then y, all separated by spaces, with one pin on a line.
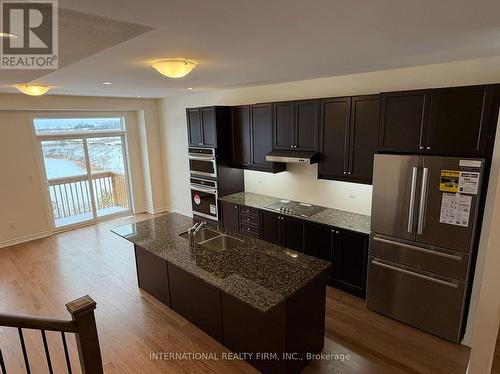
pixel 202 235
pixel 221 243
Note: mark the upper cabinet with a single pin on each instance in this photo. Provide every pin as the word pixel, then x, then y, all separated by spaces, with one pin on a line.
pixel 204 124
pixel 252 138
pixel 448 121
pixel 295 125
pixel 348 137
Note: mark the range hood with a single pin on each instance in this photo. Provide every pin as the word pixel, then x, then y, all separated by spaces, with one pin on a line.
pixel 296 157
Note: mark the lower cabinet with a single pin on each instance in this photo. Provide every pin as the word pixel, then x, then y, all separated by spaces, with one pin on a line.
pixel 152 274
pixel 195 300
pixel 347 251
pixel 282 230
pixel 350 261
pixel 230 216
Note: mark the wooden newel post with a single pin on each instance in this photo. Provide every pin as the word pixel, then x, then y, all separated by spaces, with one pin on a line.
pixel 82 311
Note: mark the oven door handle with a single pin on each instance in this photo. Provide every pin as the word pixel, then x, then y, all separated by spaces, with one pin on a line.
pixel 202 158
pixel 204 189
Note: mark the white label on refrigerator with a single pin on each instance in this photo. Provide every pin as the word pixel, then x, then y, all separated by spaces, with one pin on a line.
pixel 455 209
pixel 468 182
pixel 470 163
pixel 213 209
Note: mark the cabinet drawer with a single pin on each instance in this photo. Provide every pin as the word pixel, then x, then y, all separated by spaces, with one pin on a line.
pixel 427 302
pixel 249 219
pixel 250 230
pixel 249 211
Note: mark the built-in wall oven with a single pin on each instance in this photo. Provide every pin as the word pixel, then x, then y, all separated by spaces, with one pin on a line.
pixel 204 198
pixel 202 162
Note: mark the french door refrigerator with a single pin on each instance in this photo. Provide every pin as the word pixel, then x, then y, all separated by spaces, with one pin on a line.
pixel 424 213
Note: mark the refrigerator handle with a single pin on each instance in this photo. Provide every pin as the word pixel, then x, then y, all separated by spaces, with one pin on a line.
pixel 423 201
pixel 412 198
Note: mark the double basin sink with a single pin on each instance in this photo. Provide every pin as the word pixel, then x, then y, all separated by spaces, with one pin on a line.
pixel 214 240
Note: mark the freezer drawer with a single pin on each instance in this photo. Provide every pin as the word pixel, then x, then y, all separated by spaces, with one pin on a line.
pixel 420 256
pixel 432 304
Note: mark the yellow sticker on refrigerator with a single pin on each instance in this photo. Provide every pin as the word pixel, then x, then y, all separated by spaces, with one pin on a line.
pixel 449 181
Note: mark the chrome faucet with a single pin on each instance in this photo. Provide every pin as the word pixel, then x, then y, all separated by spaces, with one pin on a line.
pixel 192 231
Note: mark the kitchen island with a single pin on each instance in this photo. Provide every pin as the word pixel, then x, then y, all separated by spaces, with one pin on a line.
pixel 254 297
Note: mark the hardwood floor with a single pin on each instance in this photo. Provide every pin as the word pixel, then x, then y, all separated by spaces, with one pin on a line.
pixel 39 277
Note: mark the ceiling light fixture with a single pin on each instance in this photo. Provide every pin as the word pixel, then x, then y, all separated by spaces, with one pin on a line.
pixel 177 68
pixel 8 35
pixel 190 88
pixel 107 83
pixel 33 89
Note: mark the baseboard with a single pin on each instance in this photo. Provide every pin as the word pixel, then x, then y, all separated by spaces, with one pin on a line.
pixel 26 238
pixel 467 341
pixel 173 210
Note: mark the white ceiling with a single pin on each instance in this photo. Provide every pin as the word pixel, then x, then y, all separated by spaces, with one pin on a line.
pixel 250 42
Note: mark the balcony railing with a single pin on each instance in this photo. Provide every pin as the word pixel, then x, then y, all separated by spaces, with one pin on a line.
pixel 71 196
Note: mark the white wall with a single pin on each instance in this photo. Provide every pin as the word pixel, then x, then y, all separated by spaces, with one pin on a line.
pixel 300 182
pixel 22 195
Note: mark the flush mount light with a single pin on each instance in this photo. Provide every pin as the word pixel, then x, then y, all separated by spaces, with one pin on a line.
pixel 107 83
pixel 8 35
pixel 33 89
pixel 190 88
pixel 174 68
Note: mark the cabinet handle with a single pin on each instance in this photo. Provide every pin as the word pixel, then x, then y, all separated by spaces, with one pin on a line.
pixel 421 147
pixel 200 143
pixel 291 146
pixel 427 147
pixel 236 207
pixel 345 172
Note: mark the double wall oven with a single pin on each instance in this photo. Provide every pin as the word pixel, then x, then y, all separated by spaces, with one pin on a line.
pixel 203 182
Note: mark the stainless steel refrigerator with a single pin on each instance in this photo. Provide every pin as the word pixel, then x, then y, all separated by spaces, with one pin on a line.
pixel 424 215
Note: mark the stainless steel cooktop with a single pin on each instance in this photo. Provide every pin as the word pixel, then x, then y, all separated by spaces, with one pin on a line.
pixel 295 208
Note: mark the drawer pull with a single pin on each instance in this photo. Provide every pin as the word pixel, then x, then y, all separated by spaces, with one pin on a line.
pixel 418 249
pixel 417 275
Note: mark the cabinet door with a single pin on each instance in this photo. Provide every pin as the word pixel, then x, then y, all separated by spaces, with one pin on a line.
pixel 350 254
pixel 195 137
pixel 196 300
pixel 403 121
pixel 293 233
pixel 334 137
pixel 242 141
pixel 270 227
pixel 306 129
pixel 230 216
pixel 284 125
pixel 364 123
pixel 261 120
pixel 152 274
pixel 208 130
pixel 458 120
pixel 318 242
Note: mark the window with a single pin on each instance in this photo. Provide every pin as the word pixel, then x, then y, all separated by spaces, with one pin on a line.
pixel 86 167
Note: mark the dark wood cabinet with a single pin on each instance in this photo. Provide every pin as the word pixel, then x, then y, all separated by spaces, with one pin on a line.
pixel 270 227
pixel 252 138
pixel 208 128
pixel 205 125
pixel 348 137
pixel 403 121
pixel 350 254
pixel 447 121
pixel 230 216
pixel 295 125
pixel 293 233
pixel 318 242
pixel 458 120
pixel 152 274
pixel 282 230
pixel 195 137
pixel 242 136
pixel 196 300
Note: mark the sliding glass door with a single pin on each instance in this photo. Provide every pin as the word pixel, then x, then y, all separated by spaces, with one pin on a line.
pixel 86 168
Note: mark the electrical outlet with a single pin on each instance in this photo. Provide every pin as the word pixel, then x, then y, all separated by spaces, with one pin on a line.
pixel 12 224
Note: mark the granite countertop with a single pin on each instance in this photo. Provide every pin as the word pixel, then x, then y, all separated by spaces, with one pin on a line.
pixel 332 217
pixel 259 273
